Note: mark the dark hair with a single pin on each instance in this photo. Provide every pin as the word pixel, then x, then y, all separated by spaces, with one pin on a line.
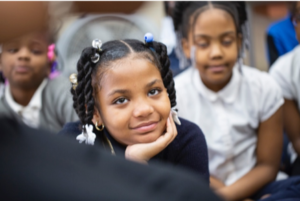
pixel 83 96
pixel 2 80
pixel 183 12
pixel 292 6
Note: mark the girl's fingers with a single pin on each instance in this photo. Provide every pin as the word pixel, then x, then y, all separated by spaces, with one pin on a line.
pixel 174 129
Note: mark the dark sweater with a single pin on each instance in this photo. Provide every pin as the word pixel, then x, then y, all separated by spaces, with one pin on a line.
pixel 187 150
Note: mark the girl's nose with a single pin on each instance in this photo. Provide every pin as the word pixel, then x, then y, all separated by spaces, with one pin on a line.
pixel 24 53
pixel 216 51
pixel 142 109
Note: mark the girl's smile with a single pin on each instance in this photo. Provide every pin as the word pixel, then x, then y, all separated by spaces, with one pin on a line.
pixel 132 101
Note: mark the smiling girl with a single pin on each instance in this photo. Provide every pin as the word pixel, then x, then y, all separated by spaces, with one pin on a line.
pixel 238 107
pixel 123 94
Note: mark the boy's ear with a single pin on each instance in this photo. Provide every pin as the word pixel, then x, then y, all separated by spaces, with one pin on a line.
pixel 186 48
pixel 97 117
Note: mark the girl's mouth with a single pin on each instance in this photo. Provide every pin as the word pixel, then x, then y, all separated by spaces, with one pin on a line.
pixel 145 127
pixel 217 69
pixel 22 69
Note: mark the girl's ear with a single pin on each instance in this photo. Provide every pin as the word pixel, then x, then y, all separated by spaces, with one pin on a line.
pixel 96 117
pixel 186 48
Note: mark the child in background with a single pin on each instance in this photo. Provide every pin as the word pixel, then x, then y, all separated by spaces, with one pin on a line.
pixel 286 73
pixel 123 95
pixel 238 107
pixel 30 96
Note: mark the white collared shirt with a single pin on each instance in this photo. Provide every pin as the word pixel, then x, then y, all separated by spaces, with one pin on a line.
pixel 229 118
pixel 286 72
pixel 30 113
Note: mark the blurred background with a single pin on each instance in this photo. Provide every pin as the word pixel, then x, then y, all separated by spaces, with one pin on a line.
pixel 78 29
pixel 77 23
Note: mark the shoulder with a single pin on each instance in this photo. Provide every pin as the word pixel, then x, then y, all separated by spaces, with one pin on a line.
pixel 258 80
pixel 284 62
pixel 184 78
pixel 71 129
pixel 58 90
pixel 189 134
pixel 188 127
pixel 60 82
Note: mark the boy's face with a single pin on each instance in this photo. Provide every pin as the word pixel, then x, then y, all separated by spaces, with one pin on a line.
pixel 24 61
pixel 216 46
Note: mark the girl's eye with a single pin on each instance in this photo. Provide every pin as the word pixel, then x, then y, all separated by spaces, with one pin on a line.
pixel 36 51
pixel 153 92
pixel 121 101
pixel 227 43
pixel 12 50
pixel 202 45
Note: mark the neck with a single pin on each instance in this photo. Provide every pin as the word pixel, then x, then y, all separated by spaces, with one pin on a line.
pixel 215 87
pixel 22 96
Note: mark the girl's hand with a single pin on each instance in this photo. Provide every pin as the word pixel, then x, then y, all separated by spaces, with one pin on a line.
pixel 144 151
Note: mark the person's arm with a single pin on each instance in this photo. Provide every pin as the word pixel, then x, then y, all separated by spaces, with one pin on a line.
pixel 215 183
pixel 269 147
pixel 291 121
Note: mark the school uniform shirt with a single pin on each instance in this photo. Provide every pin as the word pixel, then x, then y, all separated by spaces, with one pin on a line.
pixel 286 72
pixel 188 150
pixel 29 114
pixel 50 107
pixel 229 118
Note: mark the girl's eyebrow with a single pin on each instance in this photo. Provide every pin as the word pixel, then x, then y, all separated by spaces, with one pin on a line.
pixel 222 35
pixel 118 91
pixel 125 91
pixel 153 82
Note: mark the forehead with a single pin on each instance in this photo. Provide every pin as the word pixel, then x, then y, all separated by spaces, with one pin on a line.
pixel 213 21
pixel 129 72
pixel 34 37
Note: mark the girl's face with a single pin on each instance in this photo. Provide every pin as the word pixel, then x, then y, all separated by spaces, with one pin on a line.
pixel 216 47
pixel 24 61
pixel 134 104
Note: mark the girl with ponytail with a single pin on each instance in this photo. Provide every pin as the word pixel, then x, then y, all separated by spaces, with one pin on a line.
pixel 124 96
pixel 238 107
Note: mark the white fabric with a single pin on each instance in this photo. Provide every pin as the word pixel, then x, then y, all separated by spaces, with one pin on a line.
pixel 286 72
pixel 30 113
pixel 229 119
pixel 167 34
pixel 88 137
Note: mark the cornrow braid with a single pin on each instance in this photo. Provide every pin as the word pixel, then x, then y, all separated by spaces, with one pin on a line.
pixel 165 71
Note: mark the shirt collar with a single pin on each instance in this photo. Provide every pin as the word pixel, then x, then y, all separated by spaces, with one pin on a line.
pixel 35 102
pixel 228 93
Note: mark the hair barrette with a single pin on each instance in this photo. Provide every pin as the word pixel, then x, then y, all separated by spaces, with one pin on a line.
pixel 0 48
pixel 73 80
pixel 97 45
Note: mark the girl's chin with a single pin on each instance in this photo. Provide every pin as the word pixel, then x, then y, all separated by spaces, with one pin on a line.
pixel 147 138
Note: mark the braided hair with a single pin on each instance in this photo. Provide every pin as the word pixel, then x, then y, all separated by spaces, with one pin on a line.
pixel 90 73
